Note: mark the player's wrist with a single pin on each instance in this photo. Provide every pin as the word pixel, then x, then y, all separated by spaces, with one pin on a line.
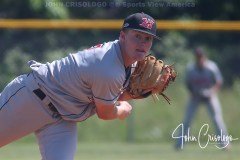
pixel 125 96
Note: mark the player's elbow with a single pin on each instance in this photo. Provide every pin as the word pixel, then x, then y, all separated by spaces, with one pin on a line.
pixel 104 117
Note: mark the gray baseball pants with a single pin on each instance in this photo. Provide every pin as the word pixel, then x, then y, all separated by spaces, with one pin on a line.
pixel 22 112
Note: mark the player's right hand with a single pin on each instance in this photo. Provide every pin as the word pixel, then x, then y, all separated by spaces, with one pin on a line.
pixel 206 93
pixel 123 109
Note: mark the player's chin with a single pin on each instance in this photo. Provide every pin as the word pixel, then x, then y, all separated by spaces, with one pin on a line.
pixel 139 56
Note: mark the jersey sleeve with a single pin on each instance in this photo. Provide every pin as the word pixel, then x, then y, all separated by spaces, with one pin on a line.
pixel 217 74
pixel 106 90
pixel 187 77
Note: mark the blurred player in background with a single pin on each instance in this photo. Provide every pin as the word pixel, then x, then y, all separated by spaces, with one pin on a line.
pixel 203 81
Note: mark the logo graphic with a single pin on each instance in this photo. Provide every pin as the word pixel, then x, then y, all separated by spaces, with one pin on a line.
pixel 221 140
pixel 147 23
pixel 126 25
pixel 96 46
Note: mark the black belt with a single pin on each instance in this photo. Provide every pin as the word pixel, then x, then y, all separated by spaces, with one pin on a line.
pixel 41 95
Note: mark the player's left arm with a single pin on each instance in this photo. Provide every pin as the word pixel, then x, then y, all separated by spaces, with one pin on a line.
pixel 126 96
pixel 218 79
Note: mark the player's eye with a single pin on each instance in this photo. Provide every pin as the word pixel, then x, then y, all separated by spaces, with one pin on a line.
pixel 148 39
pixel 137 36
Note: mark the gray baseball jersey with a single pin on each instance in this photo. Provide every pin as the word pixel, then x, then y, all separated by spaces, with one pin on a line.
pixel 72 85
pixel 198 79
pixel 75 82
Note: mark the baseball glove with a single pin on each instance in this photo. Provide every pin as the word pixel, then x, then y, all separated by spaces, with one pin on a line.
pixel 150 77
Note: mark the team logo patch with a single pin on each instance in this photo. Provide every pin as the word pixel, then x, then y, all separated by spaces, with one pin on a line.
pixel 147 23
pixel 96 46
pixel 126 25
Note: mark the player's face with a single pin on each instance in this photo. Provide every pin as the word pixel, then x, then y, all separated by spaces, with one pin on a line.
pixel 137 44
pixel 200 61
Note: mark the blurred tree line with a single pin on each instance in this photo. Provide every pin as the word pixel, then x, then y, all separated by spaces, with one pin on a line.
pixel 17 46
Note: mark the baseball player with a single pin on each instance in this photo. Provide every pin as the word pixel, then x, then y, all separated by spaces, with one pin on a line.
pixel 203 80
pixel 51 99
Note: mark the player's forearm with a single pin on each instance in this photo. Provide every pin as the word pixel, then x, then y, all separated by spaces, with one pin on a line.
pixel 118 111
pixel 109 113
pixel 217 87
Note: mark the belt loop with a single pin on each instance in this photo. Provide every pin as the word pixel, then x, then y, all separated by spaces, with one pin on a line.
pixel 41 95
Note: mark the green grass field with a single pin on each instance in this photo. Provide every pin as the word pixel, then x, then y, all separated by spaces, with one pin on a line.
pixel 152 125
pixel 126 151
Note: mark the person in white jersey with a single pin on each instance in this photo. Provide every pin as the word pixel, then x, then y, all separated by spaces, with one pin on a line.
pixel 203 81
pixel 51 99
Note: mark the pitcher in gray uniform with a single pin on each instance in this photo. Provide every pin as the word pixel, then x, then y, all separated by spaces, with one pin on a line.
pixel 203 81
pixel 54 96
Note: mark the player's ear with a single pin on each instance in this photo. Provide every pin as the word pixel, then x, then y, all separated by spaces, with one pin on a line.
pixel 122 35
